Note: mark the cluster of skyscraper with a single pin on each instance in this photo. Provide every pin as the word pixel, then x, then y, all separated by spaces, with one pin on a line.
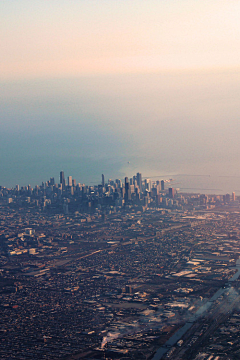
pixel 134 189
pixel 115 194
pixel 71 182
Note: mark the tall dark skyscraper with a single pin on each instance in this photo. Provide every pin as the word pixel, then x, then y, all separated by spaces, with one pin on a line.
pixel 127 189
pixel 103 181
pixel 162 184
pixel 171 193
pixel 62 179
pixel 52 181
pixel 139 181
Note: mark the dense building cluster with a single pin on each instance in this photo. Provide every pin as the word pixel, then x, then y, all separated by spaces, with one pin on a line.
pixel 111 196
pixel 111 281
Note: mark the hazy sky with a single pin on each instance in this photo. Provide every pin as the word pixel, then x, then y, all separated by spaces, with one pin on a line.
pixel 87 86
pixel 62 38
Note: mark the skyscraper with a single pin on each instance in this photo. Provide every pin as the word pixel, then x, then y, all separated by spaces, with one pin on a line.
pixel 52 181
pixel 139 181
pixel 70 181
pixel 228 198
pixel 171 193
pixel 127 189
pixel 162 184
pixel 62 178
pixel 103 181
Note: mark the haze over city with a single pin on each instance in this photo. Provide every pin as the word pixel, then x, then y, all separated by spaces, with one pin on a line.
pixel 119 87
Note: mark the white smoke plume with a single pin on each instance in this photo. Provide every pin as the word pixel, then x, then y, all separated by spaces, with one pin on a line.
pixel 151 320
pixel 110 336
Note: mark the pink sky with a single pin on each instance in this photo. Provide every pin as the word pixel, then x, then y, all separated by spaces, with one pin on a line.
pixel 68 38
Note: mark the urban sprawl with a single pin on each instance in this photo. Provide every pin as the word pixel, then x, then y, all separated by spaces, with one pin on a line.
pixel 132 269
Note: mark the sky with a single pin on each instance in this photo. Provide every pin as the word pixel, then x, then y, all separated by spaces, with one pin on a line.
pixel 118 87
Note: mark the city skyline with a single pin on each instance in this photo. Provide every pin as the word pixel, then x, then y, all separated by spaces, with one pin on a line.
pixel 136 193
pixel 185 183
